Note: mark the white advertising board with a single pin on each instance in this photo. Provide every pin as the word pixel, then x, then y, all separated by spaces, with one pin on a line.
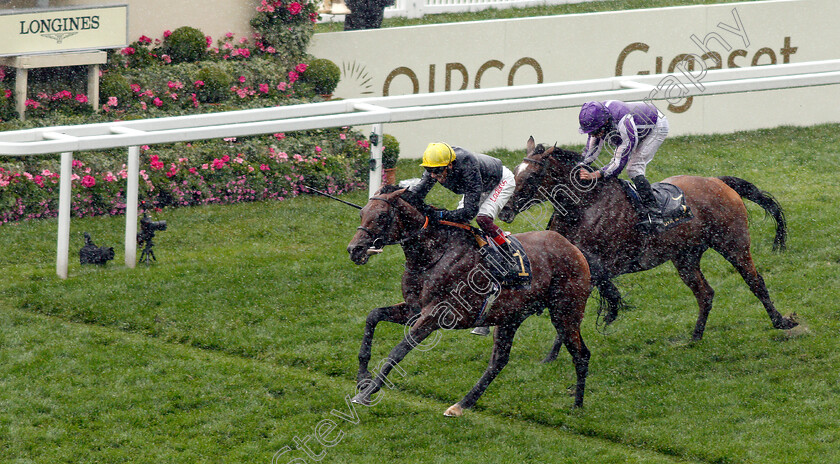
pixel 63 30
pixel 438 58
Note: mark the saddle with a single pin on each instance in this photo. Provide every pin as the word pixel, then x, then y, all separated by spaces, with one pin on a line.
pixel 671 201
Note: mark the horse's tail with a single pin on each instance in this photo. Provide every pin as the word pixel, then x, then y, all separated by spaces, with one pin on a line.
pixel 765 200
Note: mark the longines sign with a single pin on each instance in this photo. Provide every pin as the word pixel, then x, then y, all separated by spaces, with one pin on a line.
pixel 62 30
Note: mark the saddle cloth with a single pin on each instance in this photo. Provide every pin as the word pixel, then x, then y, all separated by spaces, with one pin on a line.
pixel 671 201
pixel 510 270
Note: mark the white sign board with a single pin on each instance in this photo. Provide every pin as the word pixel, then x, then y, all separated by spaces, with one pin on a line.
pixel 62 30
pixel 437 58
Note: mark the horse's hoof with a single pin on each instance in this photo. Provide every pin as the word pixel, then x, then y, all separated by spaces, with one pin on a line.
pixel 362 377
pixel 361 399
pixel 801 328
pixel 788 322
pixel 454 411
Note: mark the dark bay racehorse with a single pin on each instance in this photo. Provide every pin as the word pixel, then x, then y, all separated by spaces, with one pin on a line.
pixel 598 218
pixel 445 285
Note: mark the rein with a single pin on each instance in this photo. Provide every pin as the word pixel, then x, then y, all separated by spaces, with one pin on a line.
pixel 381 241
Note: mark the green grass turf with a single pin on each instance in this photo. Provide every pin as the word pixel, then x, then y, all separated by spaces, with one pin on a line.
pixel 245 333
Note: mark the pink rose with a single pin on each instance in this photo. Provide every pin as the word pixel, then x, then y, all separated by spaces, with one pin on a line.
pixel 295 8
pixel 88 181
pixel 301 67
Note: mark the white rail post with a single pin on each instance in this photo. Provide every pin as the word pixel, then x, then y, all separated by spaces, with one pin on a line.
pixel 64 204
pixel 375 160
pixel 132 186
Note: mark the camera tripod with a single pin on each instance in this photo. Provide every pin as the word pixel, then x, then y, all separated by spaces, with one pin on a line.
pixel 147 255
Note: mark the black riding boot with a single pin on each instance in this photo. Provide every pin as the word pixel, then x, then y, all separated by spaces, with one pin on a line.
pixel 649 203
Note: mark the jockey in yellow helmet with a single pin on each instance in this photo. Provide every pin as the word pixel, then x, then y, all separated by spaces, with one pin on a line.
pixel 485 183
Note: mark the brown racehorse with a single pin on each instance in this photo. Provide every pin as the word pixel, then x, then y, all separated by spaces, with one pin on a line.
pixel 445 285
pixel 598 218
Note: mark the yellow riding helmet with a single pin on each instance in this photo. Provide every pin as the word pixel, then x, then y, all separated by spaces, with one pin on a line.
pixel 437 154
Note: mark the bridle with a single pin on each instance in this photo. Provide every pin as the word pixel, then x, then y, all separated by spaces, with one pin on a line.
pixel 538 177
pixel 380 241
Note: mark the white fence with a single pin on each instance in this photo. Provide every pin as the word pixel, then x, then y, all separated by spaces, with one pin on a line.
pixel 420 8
pixel 376 111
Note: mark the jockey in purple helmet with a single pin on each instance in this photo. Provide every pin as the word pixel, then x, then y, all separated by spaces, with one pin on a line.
pixel 636 130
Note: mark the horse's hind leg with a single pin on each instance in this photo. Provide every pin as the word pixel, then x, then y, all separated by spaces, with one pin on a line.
pixel 688 266
pixel 503 340
pixel 743 262
pixel 567 318
pixel 398 313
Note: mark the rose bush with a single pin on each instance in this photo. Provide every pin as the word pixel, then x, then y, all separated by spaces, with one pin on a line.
pixel 186 174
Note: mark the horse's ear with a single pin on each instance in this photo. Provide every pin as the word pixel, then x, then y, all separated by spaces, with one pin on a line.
pixel 530 145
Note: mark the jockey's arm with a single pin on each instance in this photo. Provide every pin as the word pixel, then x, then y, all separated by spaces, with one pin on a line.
pixel 472 185
pixel 422 188
pixel 629 140
pixel 593 149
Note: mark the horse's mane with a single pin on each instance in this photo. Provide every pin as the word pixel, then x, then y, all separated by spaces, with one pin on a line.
pixel 560 153
pixel 389 188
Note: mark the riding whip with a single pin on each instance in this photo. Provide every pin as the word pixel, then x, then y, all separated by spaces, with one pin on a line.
pixel 334 198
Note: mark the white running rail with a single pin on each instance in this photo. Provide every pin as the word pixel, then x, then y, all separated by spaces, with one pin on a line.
pixel 377 111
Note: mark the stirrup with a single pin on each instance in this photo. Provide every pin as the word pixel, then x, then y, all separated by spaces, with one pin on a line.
pixel 652 222
pixel 483 331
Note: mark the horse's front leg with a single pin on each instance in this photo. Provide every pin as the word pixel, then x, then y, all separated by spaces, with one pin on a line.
pixel 421 329
pixel 398 313
pixel 503 340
